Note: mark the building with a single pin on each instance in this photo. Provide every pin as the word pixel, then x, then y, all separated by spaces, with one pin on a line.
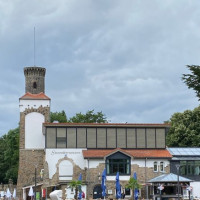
pixel 54 154
pixel 188 162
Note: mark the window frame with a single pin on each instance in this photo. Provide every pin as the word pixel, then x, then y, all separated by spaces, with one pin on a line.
pixel 155 163
pixel 163 166
pixel 111 164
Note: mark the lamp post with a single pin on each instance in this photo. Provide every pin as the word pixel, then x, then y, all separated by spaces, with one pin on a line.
pixel 35 181
pixel 178 170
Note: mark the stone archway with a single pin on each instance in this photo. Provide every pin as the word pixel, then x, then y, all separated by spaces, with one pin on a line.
pixel 65 170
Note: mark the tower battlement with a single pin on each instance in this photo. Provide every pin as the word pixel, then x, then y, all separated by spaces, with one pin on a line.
pixel 35 79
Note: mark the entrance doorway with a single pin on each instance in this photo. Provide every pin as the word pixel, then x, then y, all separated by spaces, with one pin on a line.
pixel 97 192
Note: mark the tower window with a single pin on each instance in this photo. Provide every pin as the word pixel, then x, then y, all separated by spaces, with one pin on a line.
pixel 34 85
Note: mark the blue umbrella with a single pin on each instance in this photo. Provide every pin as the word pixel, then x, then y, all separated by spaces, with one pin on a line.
pixel 118 187
pixel 79 188
pixel 103 183
pixel 136 190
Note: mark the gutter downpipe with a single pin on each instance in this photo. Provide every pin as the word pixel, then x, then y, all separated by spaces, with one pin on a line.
pixel 146 186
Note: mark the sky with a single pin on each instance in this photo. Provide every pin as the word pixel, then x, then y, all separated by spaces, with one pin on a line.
pixel 122 57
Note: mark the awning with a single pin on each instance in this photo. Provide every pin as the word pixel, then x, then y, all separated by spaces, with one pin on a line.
pixel 169 178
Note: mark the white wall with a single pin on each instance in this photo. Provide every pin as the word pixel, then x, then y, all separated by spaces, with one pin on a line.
pixel 149 162
pixel 53 155
pixel 196 189
pixel 23 104
pixel 34 138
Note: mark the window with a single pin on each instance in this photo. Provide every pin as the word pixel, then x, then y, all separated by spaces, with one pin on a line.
pixel 127 192
pixel 118 162
pixel 155 166
pixel 189 167
pixel 61 138
pixel 34 85
pixel 162 166
pixel 51 138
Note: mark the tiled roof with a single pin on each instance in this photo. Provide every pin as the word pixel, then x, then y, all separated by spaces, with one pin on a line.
pixel 40 96
pixel 136 153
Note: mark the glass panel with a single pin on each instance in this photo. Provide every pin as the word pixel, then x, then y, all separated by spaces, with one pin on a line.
pixel 162 166
pixel 155 168
pixel 51 138
pixel 118 165
pixel 183 170
pixel 61 138
pixel 190 168
pixel 197 168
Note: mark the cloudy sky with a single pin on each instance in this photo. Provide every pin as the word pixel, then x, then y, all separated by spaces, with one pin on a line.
pixel 122 57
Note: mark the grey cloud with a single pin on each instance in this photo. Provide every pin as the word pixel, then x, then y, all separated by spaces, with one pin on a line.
pixel 125 59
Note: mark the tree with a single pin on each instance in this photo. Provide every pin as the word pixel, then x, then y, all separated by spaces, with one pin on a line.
pixel 9 156
pixel 89 117
pixel 185 129
pixel 133 184
pixel 75 184
pixel 193 80
pixel 58 116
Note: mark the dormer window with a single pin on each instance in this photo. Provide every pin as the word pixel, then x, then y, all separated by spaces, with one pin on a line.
pixel 118 162
pixel 34 85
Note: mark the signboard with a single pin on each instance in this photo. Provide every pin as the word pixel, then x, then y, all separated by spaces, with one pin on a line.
pixel 109 191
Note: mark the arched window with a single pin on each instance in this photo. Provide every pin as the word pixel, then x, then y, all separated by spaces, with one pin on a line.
pixel 155 166
pixel 34 85
pixel 162 166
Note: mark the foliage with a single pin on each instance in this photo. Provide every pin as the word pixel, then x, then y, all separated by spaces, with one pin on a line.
pixel 75 184
pixel 185 129
pixel 9 156
pixel 58 116
pixel 133 184
pixel 89 117
pixel 193 80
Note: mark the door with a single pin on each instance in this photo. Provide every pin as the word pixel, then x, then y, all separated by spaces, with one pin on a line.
pixel 97 192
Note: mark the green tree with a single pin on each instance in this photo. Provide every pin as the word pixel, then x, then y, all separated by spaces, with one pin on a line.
pixel 58 116
pixel 75 185
pixel 9 156
pixel 133 184
pixel 185 129
pixel 193 80
pixel 89 117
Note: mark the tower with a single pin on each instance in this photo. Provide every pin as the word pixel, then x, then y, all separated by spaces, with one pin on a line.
pixel 35 79
pixel 34 111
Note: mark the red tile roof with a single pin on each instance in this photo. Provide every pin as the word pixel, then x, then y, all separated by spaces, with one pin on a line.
pixel 40 96
pixel 136 153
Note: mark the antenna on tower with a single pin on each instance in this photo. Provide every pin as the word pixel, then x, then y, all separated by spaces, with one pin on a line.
pixel 34 47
